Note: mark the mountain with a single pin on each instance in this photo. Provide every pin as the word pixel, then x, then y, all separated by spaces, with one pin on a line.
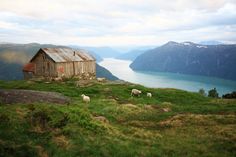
pixel 190 58
pixel 210 42
pixel 14 56
pixel 127 48
pixel 103 72
pixel 98 58
pixel 104 52
pixel 131 55
pixel 28 50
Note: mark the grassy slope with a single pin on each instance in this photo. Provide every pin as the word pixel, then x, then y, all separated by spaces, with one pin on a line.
pixel 195 126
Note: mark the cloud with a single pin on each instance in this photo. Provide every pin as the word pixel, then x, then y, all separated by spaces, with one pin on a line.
pixel 121 22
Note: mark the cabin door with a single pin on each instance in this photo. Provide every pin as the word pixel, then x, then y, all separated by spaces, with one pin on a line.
pixel 47 69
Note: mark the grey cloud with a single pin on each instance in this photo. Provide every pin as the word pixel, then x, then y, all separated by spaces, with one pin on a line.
pixel 134 20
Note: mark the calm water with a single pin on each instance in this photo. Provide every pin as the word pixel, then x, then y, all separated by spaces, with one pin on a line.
pixel 121 69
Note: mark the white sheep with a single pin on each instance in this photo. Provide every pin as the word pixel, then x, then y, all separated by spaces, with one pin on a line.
pixel 101 79
pixel 86 99
pixel 149 95
pixel 135 92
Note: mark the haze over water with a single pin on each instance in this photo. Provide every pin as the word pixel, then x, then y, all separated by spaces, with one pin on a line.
pixel 121 69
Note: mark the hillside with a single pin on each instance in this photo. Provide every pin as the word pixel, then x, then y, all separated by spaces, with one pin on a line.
pixel 171 123
pixel 28 50
pixel 190 58
pixel 104 52
pixel 103 72
pixel 131 55
pixel 210 42
pixel 14 56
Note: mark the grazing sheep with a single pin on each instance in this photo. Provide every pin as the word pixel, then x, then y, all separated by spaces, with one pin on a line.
pixel 149 95
pixel 135 92
pixel 101 79
pixel 86 99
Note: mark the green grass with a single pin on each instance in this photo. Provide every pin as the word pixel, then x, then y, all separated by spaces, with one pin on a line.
pixel 194 126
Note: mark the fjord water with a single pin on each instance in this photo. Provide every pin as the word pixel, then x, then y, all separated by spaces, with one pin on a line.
pixel 121 69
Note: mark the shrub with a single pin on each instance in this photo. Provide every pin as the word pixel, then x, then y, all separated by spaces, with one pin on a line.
pixel 84 120
pixel 47 117
pixel 230 95
pixel 202 92
pixel 1 101
pixel 31 107
pixel 213 93
pixel 39 117
pixel 10 149
pixel 4 118
pixel 62 121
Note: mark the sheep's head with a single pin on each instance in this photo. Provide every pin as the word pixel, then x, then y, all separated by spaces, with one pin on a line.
pixel 140 92
pixel 82 95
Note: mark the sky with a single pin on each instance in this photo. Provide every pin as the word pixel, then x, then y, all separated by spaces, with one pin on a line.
pixel 117 22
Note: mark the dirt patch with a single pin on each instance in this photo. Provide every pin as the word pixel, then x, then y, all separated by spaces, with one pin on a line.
pixel 166 109
pixel 145 134
pixel 107 90
pixel 61 141
pixel 41 151
pixel 14 96
pixel 21 113
pixel 141 124
pixel 101 119
pixel 198 119
pixel 148 107
pixel 129 106
pixel 156 107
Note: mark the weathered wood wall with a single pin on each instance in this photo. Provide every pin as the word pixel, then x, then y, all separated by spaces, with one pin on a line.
pixel 70 69
pixel 46 67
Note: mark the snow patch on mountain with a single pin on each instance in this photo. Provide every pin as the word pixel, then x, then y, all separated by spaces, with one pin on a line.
pixel 201 46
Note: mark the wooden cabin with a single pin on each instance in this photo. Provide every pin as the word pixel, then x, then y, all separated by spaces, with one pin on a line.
pixel 61 62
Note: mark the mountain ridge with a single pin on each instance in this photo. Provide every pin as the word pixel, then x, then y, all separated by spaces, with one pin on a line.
pixel 131 55
pixel 190 58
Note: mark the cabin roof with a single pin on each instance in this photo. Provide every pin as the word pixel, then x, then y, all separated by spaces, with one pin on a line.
pixel 29 67
pixel 67 55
